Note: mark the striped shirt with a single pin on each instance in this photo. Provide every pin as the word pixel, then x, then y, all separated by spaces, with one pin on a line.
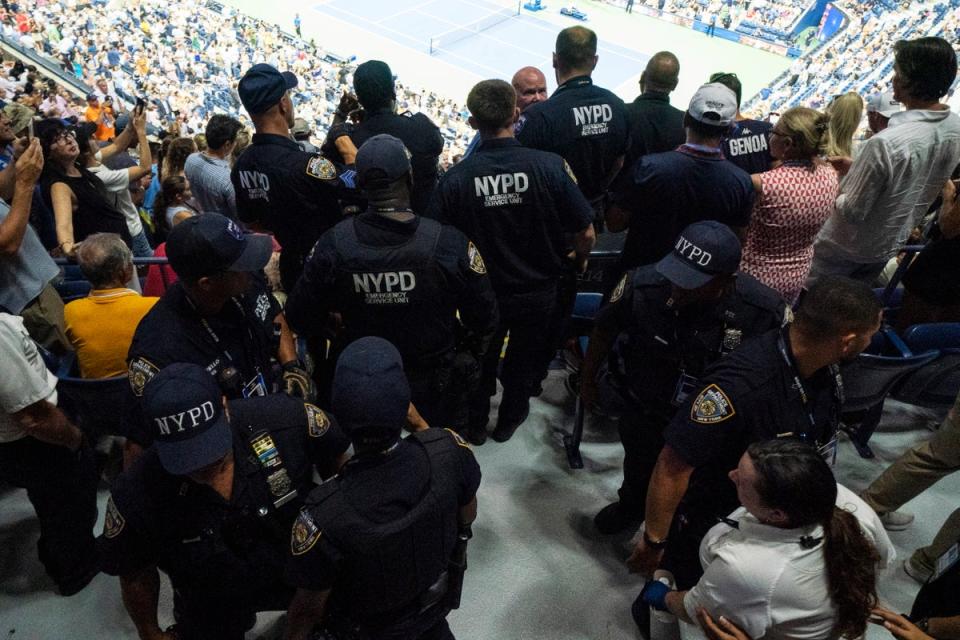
pixel 210 182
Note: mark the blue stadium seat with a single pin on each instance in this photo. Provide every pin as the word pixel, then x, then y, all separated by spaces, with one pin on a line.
pixel 585 309
pixel 870 379
pixel 935 385
pixel 98 407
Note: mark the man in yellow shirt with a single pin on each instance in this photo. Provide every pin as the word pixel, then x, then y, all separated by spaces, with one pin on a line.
pixel 101 326
pixel 102 116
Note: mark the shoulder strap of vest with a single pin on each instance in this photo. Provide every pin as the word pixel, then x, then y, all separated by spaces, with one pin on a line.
pixel 427 236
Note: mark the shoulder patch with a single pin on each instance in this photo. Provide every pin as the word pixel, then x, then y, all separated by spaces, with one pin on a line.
pixel 618 292
pixel 317 421
pixel 320 167
pixel 113 522
pixel 458 439
pixel 140 371
pixel 566 167
pixel 712 406
pixel 476 260
pixel 304 535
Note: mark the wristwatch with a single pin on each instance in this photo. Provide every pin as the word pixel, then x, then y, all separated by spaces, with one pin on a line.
pixel 924 625
pixel 653 544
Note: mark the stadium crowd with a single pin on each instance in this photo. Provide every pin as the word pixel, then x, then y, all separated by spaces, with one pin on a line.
pixel 739 298
pixel 181 56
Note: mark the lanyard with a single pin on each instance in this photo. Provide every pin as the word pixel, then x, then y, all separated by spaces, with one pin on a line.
pixel 571 84
pixel 216 339
pixel 804 397
pixel 797 163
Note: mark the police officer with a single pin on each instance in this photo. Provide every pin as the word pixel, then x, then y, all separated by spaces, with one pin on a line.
pixel 393 274
pixel 219 315
pixel 517 204
pixel 280 187
pixel 664 324
pixel 386 538
pixel 211 503
pixel 784 383
pixel 583 123
pixel 374 87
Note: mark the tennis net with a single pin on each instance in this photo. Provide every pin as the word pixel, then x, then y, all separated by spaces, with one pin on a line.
pixel 448 38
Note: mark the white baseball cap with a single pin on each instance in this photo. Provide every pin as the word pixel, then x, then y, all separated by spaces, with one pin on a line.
pixel 883 103
pixel 714 104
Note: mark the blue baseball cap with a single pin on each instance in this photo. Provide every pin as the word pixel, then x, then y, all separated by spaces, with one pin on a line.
pixel 209 243
pixel 370 393
pixel 381 159
pixel 262 86
pixel 703 251
pixel 183 405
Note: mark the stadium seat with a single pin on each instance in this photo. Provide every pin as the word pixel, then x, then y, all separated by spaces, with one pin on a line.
pixel 584 311
pixel 935 385
pixel 98 407
pixel 870 379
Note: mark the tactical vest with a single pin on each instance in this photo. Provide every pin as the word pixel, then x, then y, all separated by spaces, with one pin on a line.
pixel 649 359
pixel 391 564
pixel 395 292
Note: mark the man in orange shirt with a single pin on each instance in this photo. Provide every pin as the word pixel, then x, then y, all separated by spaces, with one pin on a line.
pixel 101 326
pixel 102 116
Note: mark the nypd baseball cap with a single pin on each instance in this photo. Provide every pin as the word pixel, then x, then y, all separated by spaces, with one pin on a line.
pixel 703 251
pixel 381 159
pixel 208 243
pixel 262 86
pixel 884 104
pixel 714 104
pixel 183 406
pixel 370 393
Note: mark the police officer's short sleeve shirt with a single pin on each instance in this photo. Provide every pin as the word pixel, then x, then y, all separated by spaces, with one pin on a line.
pixel 750 396
pixel 288 191
pixel 516 204
pixel 585 124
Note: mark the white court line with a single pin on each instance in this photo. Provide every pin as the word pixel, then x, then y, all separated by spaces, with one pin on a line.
pixel 415 7
pixel 484 34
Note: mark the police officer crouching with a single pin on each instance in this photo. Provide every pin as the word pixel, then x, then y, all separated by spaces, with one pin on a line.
pixel 390 273
pixel 663 326
pixel 386 538
pixel 211 503
pixel 524 210
pixel 219 315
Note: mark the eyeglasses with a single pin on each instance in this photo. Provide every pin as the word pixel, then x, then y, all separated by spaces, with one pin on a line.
pixel 64 136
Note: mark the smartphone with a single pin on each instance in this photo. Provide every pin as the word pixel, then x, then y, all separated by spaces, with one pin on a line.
pixel 141 105
pixel 30 129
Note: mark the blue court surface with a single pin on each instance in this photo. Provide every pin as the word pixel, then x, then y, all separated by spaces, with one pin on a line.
pixel 518 41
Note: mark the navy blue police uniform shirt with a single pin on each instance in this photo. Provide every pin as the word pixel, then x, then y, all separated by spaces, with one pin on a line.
pixel 208 545
pixel 516 204
pixel 750 396
pixel 290 192
pixel 585 124
pixel 382 488
pixel 669 191
pixel 655 126
pixel 243 335
pixel 748 146
pixel 422 139
pixel 657 345
pixel 419 318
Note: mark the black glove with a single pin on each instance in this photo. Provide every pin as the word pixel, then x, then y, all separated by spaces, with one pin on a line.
pixel 297 382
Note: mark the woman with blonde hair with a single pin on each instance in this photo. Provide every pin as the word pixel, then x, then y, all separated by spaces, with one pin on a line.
pixel 846 112
pixel 792 203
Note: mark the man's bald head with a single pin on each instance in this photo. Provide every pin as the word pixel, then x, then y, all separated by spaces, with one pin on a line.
pixel 575 51
pixel 662 73
pixel 530 85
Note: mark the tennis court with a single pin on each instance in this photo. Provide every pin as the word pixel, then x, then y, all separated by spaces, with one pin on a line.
pixel 506 45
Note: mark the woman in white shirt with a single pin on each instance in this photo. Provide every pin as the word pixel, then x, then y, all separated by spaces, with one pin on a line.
pixel 800 558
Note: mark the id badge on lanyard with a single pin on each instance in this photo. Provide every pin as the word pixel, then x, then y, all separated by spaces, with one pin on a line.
pixel 256 386
pixel 686 384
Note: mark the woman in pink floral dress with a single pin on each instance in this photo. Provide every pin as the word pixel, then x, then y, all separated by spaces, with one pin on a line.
pixel 793 201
